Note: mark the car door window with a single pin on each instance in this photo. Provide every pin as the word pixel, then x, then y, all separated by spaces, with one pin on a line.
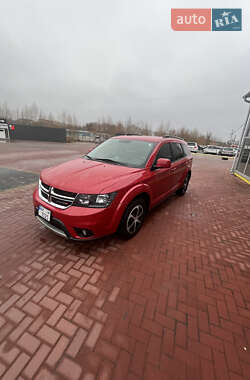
pixel 165 152
pixel 177 151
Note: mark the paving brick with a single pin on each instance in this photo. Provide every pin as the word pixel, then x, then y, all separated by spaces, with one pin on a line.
pixel 66 327
pixel 122 366
pixel 38 322
pixel 20 288
pixel 69 369
pixel 101 299
pixel 49 303
pixel 45 374
pixel 8 352
pixel 207 370
pixel 16 367
pixel 107 350
pixel 86 269
pixel 32 309
pixel 7 304
pixel 92 289
pixel 200 349
pixel 37 298
pixel 83 280
pixel 83 321
pixel 152 327
pixel 213 315
pixel 57 351
pixel 232 358
pixel 77 343
pixel 29 343
pixel 168 342
pixel 15 334
pixel 48 334
pixel 220 366
pixel 154 350
pixel 165 321
pixel 181 335
pixel 97 314
pixel 105 371
pixel 25 298
pixel 36 361
pixel 15 315
pixel 138 333
pixel 72 309
pixel 211 341
pixel 95 277
pixel 56 289
pixel 94 335
pixel 64 298
pixel 58 313
pixel 138 359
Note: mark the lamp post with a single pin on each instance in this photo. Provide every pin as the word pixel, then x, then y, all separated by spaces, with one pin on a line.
pixel 246 99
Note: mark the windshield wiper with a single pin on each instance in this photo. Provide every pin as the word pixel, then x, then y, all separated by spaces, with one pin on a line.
pixel 88 157
pixel 109 160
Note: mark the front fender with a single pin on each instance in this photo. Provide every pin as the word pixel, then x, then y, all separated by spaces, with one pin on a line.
pixel 127 198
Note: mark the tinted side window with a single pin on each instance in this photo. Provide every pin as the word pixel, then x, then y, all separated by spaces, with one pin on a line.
pixel 165 152
pixel 186 150
pixel 177 151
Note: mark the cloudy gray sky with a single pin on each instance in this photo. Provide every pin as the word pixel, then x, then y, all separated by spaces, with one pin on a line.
pixel 121 58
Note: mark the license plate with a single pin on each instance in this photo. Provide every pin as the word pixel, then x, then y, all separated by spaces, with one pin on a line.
pixel 44 213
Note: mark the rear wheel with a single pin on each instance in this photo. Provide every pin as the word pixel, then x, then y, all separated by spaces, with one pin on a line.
pixel 184 187
pixel 133 218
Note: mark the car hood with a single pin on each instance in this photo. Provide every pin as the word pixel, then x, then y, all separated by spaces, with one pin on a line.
pixel 90 177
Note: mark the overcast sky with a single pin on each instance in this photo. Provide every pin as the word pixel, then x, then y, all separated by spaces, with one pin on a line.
pixel 120 58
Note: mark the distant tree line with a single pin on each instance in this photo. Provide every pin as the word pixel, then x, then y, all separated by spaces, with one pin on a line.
pixel 33 115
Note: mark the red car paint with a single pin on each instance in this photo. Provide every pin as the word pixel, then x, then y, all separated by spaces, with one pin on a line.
pixel 93 177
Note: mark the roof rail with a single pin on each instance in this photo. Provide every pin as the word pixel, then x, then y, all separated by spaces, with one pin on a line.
pixel 173 137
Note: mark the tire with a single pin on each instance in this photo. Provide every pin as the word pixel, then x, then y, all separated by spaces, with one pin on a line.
pixel 129 228
pixel 183 189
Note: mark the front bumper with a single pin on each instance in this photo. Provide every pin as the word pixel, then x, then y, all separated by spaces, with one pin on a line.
pixel 69 223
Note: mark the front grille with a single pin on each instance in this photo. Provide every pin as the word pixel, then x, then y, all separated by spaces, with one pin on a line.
pixel 56 197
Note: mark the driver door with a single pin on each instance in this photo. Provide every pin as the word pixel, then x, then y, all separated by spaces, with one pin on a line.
pixel 162 179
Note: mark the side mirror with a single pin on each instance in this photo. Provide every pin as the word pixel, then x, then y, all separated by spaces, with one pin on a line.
pixel 163 163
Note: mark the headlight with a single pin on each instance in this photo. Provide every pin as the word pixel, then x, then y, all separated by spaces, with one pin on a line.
pixel 94 200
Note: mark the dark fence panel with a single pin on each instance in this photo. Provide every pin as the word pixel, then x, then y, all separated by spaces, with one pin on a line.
pixel 36 133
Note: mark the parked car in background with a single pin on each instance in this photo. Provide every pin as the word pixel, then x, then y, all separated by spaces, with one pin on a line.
pixel 212 149
pixel 227 151
pixel 112 187
pixel 193 147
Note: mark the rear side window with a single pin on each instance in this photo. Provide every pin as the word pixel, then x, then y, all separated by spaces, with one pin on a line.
pixel 165 152
pixel 186 150
pixel 177 151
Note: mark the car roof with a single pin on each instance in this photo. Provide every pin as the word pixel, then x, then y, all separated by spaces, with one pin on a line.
pixel 157 139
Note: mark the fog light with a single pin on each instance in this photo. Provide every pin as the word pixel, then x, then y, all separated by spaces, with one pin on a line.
pixel 83 232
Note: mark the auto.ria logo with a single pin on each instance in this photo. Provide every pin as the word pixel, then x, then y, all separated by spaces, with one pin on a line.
pixel 226 19
pixel 206 19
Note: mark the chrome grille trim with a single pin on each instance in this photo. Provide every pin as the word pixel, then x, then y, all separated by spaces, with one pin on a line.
pixel 50 192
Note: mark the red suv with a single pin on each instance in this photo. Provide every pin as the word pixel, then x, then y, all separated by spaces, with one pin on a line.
pixel 112 187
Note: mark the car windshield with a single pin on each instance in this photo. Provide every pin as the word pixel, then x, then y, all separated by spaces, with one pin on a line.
pixel 126 152
pixel 229 149
pixel 191 143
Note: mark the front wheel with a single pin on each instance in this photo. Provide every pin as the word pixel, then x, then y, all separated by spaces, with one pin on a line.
pixel 184 187
pixel 133 218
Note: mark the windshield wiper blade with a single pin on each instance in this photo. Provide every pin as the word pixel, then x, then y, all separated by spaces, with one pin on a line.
pixel 88 157
pixel 108 160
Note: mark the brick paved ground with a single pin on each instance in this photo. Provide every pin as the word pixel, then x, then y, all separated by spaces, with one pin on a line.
pixel 173 303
